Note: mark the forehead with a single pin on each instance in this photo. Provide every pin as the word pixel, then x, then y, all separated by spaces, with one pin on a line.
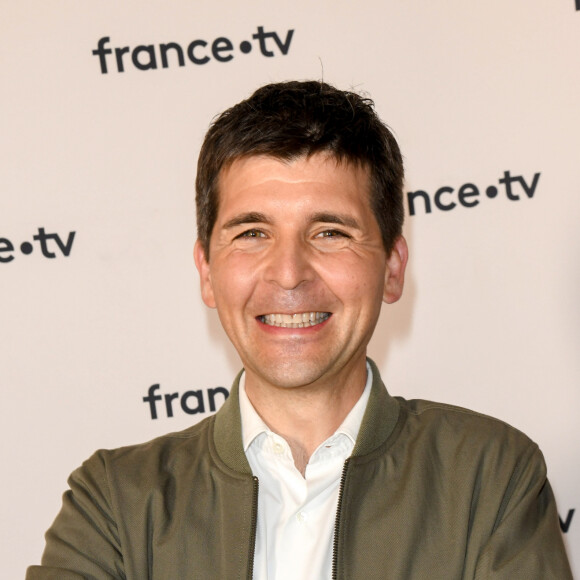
pixel 318 176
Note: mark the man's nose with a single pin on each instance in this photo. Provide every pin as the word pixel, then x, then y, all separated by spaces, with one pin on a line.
pixel 289 264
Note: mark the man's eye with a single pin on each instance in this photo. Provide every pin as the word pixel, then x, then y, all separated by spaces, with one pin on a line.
pixel 252 234
pixel 332 234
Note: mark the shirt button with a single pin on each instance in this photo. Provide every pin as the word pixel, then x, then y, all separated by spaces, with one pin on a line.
pixel 278 448
pixel 301 517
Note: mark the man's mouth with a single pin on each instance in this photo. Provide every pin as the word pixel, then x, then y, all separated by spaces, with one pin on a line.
pixel 298 320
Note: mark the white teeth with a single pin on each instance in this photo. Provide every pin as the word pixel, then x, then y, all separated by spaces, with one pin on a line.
pixel 298 320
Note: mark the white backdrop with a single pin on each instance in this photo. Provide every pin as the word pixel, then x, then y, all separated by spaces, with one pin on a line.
pixel 91 320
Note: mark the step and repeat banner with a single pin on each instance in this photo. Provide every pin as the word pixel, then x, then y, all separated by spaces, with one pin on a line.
pixel 104 338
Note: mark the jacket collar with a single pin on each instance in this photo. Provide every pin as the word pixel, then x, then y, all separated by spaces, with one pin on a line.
pixel 379 419
pixel 378 423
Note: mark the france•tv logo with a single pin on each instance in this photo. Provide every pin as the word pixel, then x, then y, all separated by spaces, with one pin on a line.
pixel 199 52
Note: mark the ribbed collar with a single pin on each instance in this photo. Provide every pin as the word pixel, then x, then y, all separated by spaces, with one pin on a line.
pixel 378 423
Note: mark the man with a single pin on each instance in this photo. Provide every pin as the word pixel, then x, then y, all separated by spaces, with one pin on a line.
pixel 310 470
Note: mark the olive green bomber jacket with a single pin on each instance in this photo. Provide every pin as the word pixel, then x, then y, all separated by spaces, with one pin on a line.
pixel 431 492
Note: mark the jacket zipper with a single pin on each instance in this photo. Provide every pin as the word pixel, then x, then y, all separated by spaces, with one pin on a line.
pixel 337 522
pixel 253 524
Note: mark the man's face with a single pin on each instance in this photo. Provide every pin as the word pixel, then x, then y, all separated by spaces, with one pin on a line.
pixel 297 268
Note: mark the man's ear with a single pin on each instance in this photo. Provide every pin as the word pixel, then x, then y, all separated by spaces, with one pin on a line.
pixel 202 265
pixel 395 273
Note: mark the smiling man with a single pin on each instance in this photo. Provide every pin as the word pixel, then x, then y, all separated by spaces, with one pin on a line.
pixel 298 271
pixel 310 470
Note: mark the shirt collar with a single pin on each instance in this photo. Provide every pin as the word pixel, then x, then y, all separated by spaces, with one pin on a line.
pixel 253 425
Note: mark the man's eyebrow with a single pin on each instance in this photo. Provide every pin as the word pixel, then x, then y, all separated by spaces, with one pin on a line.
pixel 251 217
pixel 336 218
pixel 254 217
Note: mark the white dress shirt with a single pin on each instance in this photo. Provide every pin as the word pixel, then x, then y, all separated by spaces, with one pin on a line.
pixel 296 514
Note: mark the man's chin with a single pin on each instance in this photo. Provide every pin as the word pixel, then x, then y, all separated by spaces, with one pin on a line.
pixel 293 374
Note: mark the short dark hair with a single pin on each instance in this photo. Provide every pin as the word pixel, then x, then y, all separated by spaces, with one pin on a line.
pixel 298 119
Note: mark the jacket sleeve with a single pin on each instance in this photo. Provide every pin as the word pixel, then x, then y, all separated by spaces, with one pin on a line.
pixel 83 542
pixel 526 542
